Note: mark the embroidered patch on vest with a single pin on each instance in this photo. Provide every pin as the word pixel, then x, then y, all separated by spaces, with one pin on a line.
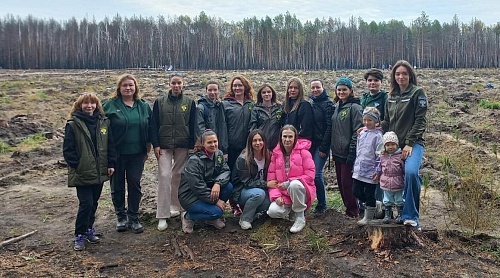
pixel 184 107
pixel 422 102
pixel 278 114
pixel 343 113
pixel 104 130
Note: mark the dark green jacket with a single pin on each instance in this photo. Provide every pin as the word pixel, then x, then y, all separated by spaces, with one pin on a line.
pixel 199 176
pixel 173 122
pixel 115 111
pixel 377 101
pixel 269 121
pixel 405 115
pixel 86 167
pixel 238 121
pixel 213 119
pixel 242 177
pixel 346 120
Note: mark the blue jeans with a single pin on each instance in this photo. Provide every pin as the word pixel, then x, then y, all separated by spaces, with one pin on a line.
pixel 319 182
pixel 413 184
pixel 253 200
pixel 201 210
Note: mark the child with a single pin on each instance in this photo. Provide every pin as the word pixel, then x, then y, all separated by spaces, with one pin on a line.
pixel 89 151
pixel 365 166
pixel 392 176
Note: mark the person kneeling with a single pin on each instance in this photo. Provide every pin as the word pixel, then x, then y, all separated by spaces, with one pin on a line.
pixel 205 186
pixel 291 179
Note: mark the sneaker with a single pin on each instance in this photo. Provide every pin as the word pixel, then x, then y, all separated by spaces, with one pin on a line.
pixel 217 223
pixel 79 243
pixel 174 213
pixel 121 225
pixel 411 223
pixel 162 224
pixel 187 225
pixel 91 237
pixel 298 225
pixel 136 226
pixel 245 225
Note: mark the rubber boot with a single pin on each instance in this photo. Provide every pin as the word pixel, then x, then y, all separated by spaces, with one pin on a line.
pixel 400 212
pixel 388 215
pixel 369 212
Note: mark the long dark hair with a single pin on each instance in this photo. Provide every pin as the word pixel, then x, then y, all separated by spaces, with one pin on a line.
pixel 250 154
pixel 259 93
pixel 411 74
pixel 287 127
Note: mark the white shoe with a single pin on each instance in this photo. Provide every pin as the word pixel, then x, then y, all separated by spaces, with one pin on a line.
pixel 162 224
pixel 245 225
pixel 298 225
pixel 187 225
pixel 174 213
pixel 412 223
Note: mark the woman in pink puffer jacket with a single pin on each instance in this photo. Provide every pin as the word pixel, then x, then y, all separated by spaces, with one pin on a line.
pixel 291 179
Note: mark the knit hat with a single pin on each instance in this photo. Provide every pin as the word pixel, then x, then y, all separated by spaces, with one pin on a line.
pixel 344 81
pixel 390 137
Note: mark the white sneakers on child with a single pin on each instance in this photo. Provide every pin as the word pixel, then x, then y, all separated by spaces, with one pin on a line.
pixel 298 225
pixel 162 224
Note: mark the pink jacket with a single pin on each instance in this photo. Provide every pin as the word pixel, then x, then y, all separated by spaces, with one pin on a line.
pixel 393 171
pixel 301 168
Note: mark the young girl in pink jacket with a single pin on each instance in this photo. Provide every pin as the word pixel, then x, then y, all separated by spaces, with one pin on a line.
pixel 291 179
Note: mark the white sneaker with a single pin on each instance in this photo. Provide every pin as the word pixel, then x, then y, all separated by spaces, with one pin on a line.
pixel 187 225
pixel 162 224
pixel 245 225
pixel 217 223
pixel 412 223
pixel 174 213
pixel 298 225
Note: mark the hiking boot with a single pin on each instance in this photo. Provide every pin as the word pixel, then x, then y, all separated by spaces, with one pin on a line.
pixel 217 223
pixel 369 212
pixel 187 225
pixel 245 225
pixel 388 215
pixel 79 243
pixel 91 237
pixel 121 225
pixel 298 225
pixel 319 210
pixel 136 226
pixel 162 224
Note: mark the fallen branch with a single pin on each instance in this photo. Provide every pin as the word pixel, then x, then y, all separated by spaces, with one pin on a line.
pixel 16 239
pixel 189 252
pixel 177 249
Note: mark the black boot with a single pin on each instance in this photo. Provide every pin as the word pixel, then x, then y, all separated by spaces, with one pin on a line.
pixel 388 215
pixel 400 212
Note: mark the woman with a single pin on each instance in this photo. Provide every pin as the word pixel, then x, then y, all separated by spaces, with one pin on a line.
pixel 205 186
pixel 298 110
pixel 250 178
pixel 210 114
pixel 172 132
pixel 267 115
pixel 322 107
pixel 238 104
pixel 129 115
pixel 346 120
pixel 291 179
pixel 405 112
pixel 89 151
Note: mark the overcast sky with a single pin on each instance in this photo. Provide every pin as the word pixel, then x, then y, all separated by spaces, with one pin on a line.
pixel 487 11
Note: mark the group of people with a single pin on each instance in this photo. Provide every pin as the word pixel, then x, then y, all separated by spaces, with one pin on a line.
pixel 263 157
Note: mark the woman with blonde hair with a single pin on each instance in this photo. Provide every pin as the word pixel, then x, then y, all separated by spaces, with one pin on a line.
pixel 129 117
pixel 298 110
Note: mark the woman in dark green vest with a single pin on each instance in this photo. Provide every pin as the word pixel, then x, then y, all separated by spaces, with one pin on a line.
pixel 89 151
pixel 129 115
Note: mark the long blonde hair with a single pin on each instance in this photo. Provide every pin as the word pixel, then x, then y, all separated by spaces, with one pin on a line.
pixel 121 79
pixel 86 97
pixel 300 96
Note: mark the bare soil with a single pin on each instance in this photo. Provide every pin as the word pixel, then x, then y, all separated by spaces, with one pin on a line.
pixel 35 196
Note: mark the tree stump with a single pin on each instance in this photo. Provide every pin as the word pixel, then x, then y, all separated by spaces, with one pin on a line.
pixel 388 236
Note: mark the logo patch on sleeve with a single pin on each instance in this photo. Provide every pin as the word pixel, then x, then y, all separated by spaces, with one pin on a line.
pixel 422 102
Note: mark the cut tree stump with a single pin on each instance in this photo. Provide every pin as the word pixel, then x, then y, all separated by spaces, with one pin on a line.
pixel 388 236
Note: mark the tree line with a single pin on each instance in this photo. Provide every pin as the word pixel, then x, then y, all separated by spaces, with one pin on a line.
pixel 282 42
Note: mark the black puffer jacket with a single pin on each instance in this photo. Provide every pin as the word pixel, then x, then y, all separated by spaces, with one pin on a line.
pixel 269 121
pixel 322 107
pixel 199 176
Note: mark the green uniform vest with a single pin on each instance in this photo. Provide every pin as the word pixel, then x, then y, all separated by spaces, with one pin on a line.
pixel 92 168
pixel 174 121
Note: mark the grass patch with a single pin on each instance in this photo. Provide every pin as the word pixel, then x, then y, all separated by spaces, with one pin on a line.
pixel 38 96
pixel 317 242
pixel 32 142
pixel 105 201
pixel 486 104
pixel 4 147
pixel 334 200
pixel 267 235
